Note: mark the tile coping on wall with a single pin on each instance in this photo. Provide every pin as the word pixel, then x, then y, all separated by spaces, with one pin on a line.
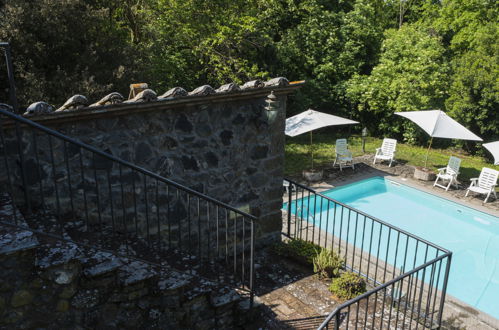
pixel 160 104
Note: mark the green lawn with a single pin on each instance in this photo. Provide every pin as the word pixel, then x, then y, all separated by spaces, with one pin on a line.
pixel 298 155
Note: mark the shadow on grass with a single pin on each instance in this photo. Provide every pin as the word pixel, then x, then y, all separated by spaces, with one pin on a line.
pixel 469 172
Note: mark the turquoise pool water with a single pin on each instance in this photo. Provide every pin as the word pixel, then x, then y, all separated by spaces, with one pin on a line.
pixel 471 235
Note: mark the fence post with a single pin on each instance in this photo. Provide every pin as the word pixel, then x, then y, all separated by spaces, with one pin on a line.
pixel 444 289
pixel 290 195
pixel 252 264
pixel 10 74
pixel 337 321
pixel 22 167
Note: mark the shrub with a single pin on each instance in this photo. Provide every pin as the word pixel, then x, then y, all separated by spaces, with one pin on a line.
pixel 328 263
pixel 298 249
pixel 349 285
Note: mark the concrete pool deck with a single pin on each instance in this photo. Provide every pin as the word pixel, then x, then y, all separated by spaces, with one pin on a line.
pixel 458 315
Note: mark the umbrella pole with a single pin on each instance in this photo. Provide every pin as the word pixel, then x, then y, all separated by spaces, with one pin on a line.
pixel 311 150
pixel 428 151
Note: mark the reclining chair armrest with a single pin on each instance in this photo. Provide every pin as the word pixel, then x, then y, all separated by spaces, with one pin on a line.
pixel 473 182
pixel 442 170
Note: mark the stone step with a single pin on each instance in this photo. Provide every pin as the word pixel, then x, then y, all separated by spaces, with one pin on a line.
pixel 134 271
pixel 14 240
pixel 218 294
pixel 118 291
pixel 224 296
pixel 56 253
pixel 173 280
pixel 96 263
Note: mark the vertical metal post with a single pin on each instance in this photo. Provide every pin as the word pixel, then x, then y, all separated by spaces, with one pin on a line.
pixel 252 264
pixel 289 207
pixel 22 164
pixel 444 290
pixel 10 73
pixel 13 103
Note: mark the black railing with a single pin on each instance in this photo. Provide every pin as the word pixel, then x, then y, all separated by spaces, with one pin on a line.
pixel 408 275
pixel 102 200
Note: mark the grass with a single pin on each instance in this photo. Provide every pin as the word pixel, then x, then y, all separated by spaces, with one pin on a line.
pixel 298 155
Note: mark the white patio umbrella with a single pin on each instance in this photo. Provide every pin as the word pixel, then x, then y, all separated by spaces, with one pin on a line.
pixel 493 147
pixel 437 124
pixel 310 120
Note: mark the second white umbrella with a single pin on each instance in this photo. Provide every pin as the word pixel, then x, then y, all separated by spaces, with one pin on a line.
pixel 438 124
pixel 493 147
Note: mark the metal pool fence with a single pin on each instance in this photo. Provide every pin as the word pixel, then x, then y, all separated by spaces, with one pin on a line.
pixel 121 206
pixel 407 275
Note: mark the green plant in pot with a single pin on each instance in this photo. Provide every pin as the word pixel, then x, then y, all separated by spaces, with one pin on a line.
pixel 348 286
pixel 328 263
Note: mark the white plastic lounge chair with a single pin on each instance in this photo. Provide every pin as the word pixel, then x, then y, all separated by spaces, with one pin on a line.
pixel 387 151
pixel 288 186
pixel 449 173
pixel 343 155
pixel 485 183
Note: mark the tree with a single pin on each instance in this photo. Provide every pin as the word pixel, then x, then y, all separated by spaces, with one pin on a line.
pixel 61 48
pixel 474 91
pixel 197 42
pixel 326 43
pixel 412 74
pixel 471 30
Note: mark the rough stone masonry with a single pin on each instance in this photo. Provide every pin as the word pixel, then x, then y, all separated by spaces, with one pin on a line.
pixel 223 144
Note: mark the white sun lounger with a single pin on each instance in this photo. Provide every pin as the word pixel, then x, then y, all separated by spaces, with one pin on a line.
pixel 387 151
pixel 485 184
pixel 449 173
pixel 343 155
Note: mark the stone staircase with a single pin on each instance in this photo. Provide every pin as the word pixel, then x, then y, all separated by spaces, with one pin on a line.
pixel 49 282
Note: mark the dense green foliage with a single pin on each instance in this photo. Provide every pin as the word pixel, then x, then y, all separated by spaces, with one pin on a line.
pixel 348 286
pixel 364 59
pixel 328 263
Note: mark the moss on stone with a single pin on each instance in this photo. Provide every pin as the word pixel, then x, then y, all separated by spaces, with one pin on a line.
pixel 21 298
pixel 62 305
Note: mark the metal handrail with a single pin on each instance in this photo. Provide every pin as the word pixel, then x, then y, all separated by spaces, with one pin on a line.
pixel 381 287
pixel 315 206
pixel 238 249
pixel 123 162
pixel 368 216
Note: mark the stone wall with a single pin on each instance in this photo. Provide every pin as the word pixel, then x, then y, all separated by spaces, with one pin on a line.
pixel 221 145
pixel 53 285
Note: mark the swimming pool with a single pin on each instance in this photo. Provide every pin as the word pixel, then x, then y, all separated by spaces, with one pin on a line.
pixel 471 235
